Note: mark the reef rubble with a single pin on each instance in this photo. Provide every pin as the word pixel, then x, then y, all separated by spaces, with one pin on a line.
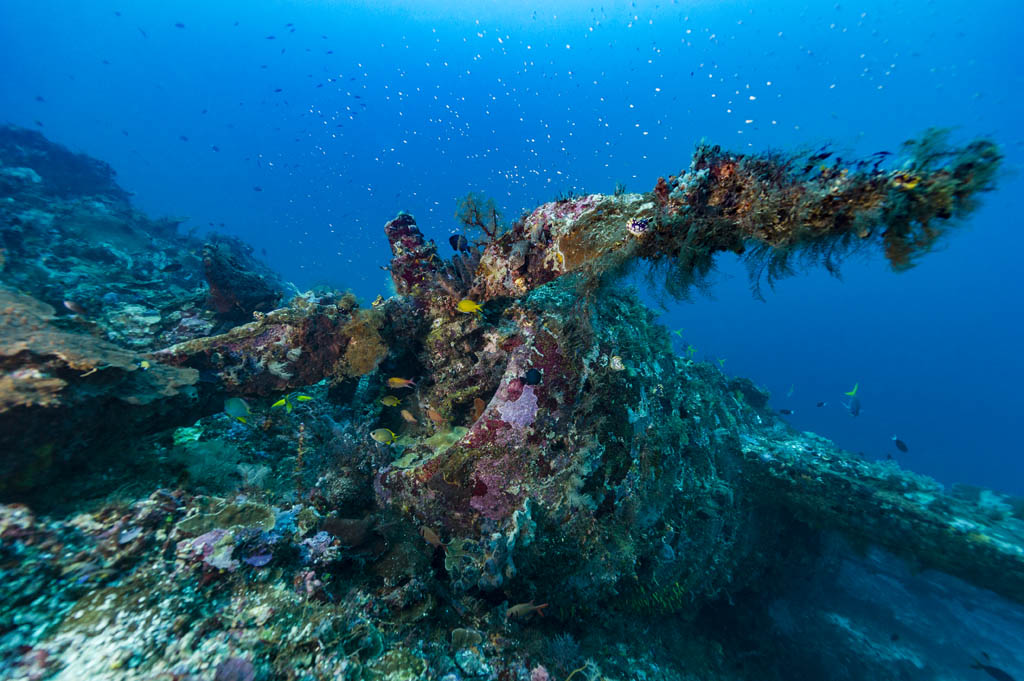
pixel 534 487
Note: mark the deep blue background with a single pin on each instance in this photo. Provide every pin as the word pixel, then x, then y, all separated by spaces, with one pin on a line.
pixel 387 106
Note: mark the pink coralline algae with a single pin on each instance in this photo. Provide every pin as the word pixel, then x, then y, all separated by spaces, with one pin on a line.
pixel 569 210
pixel 522 411
pixel 499 486
pixel 214 548
pixel 235 669
pixel 489 498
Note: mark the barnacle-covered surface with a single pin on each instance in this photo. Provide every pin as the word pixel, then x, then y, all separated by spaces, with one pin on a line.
pixel 555 494
pixel 294 346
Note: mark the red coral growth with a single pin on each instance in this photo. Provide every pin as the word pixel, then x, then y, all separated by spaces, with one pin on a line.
pixel 661 191
pixel 492 482
pixel 414 260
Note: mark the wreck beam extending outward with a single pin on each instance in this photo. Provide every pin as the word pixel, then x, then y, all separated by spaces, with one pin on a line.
pixel 778 211
pixel 877 503
pixel 288 348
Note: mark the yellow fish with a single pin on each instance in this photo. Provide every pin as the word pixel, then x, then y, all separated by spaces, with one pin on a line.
pixel 390 401
pixel 286 402
pixel 905 182
pixel 468 306
pixel 383 436
pixel 396 382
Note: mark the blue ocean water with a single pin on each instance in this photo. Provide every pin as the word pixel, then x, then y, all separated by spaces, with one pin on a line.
pixel 303 126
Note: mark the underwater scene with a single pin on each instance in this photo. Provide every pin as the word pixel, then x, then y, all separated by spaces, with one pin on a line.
pixel 386 340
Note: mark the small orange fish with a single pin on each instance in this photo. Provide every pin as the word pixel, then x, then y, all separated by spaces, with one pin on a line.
pixel 525 609
pixel 431 537
pixel 435 416
pixel 409 418
pixel 396 382
pixel 478 408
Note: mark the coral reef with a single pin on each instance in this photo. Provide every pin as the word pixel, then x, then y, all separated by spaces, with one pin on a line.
pixel 533 488
pixel 29 158
pixel 294 346
pixel 239 285
pixel 73 241
pixel 54 379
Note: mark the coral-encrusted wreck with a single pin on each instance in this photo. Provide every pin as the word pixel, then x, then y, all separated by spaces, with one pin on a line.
pixel 552 449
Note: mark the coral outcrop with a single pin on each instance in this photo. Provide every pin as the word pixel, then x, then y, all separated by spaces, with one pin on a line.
pixel 425 487
pixel 54 379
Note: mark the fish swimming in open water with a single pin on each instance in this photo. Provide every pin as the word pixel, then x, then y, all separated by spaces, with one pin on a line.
pixel 994 672
pixel 900 444
pixel 853 406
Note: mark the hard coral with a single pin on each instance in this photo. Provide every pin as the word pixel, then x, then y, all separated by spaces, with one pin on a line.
pixel 63 172
pixel 366 347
